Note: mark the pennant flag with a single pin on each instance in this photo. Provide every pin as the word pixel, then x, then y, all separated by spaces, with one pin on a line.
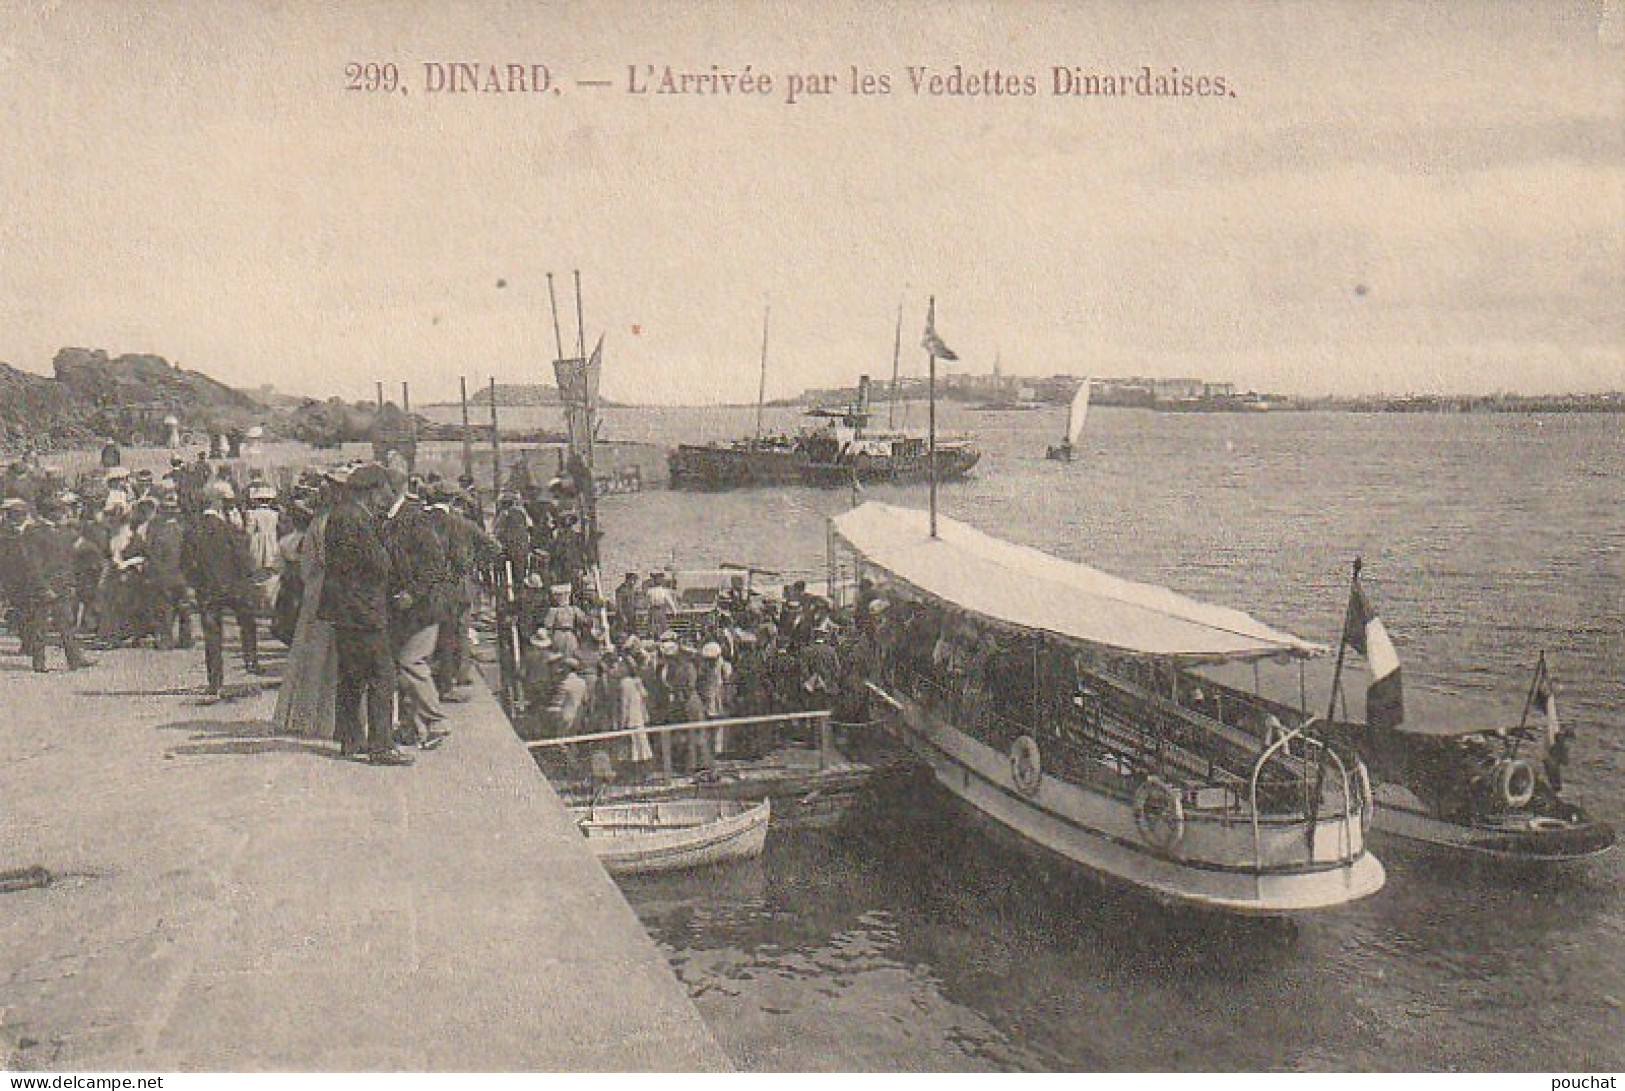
pixel 1546 701
pixel 1364 632
pixel 578 378
pixel 578 391
pixel 931 342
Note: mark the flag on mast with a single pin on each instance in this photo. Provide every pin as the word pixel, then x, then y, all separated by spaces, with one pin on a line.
pixel 931 342
pixel 1365 633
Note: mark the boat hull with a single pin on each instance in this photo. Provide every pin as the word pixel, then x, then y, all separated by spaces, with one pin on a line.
pixel 1097 832
pixel 649 838
pixel 695 466
pixel 1521 839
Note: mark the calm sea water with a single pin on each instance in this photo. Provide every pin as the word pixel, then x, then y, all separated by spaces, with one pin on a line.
pixel 900 943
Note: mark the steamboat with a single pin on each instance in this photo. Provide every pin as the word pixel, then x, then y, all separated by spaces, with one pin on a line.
pixel 1056 701
pixel 843 448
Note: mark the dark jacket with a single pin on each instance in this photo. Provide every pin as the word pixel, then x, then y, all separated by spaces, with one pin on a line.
pixel 355 584
pixel 19 573
pixel 423 586
pixel 165 548
pixel 218 563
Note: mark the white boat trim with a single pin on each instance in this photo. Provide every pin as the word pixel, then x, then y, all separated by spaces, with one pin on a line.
pixel 980 776
pixel 735 836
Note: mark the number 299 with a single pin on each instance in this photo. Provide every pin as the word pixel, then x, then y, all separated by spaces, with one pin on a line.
pixel 372 77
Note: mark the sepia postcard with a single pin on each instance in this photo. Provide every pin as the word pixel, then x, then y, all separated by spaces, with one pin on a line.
pixel 976 536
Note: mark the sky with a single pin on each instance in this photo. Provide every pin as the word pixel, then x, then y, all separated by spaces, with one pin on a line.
pixel 1397 197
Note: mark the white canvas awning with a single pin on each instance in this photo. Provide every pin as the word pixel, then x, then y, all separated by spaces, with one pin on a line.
pixel 1022 587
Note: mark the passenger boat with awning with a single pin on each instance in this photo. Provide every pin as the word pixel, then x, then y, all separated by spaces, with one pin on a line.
pixel 1054 699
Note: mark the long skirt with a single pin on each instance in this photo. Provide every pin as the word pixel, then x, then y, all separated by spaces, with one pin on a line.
pixel 309 693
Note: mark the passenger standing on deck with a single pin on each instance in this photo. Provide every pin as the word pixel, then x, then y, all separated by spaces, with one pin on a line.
pixel 628 598
pixel 569 699
pixel 219 568
pixel 662 604
pixel 420 596
pixel 563 620
pixel 711 682
pixel 355 600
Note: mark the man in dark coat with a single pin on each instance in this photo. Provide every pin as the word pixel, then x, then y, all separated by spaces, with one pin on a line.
pixel 16 566
pixel 50 538
pixel 220 569
pixel 467 546
pixel 166 577
pixel 37 558
pixel 355 598
pixel 421 595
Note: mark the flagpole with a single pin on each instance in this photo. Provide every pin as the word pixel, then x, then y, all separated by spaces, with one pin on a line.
pixel 468 436
pixel 931 448
pixel 896 356
pixel 761 382
pixel 1534 688
pixel 1342 646
pixel 496 445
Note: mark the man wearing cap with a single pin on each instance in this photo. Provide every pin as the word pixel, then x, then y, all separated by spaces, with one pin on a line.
pixel 219 569
pixel 421 594
pixel 355 599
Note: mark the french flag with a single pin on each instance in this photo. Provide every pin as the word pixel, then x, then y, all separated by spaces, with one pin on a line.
pixel 1364 632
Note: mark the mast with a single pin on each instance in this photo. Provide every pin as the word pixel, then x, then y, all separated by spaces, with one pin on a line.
pixel 931 394
pixel 558 337
pixel 1342 646
pixel 761 383
pixel 496 445
pixel 589 426
pixel 468 437
pixel 896 355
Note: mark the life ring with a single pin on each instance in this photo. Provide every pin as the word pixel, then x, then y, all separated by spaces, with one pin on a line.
pixel 1159 813
pixel 1026 765
pixel 1513 782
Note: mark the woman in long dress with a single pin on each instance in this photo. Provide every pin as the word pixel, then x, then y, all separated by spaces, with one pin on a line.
pixel 305 704
pixel 632 711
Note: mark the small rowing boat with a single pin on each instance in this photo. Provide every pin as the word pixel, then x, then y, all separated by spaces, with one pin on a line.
pixel 673 835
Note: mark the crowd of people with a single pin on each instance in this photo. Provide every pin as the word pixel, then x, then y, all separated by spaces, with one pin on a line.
pixel 372 577
pixel 745 655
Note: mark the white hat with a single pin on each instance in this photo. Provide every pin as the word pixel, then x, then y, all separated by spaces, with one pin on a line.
pixel 711 650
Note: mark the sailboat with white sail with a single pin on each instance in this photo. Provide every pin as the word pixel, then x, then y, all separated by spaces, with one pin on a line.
pixel 1076 413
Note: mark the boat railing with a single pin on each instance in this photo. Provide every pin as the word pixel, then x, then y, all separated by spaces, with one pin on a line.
pixel 1345 837
pixel 694 732
pixel 1106 732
